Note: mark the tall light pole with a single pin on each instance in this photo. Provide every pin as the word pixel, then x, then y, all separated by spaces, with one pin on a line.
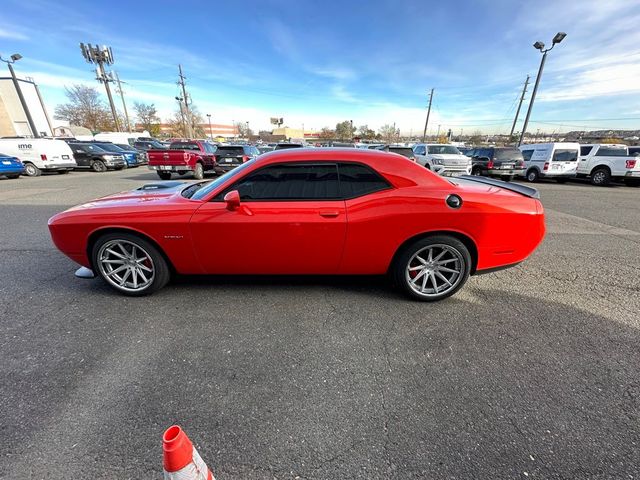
pixel 210 131
pixel 13 59
pixel 184 125
pixel 539 46
pixel 124 104
pixel 102 56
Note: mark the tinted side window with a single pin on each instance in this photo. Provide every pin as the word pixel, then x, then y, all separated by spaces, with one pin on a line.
pixel 585 150
pixel 290 182
pixel 358 180
pixel 526 154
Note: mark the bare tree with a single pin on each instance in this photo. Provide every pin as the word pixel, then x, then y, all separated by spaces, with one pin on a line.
pixel 85 108
pixel 327 134
pixel 389 133
pixel 243 129
pixel 147 116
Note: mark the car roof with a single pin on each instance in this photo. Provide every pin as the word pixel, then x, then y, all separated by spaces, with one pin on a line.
pixel 396 168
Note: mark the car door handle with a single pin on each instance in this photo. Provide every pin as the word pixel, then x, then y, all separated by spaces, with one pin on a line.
pixel 329 213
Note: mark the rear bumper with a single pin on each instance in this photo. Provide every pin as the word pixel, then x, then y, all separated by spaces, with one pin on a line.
pixel 171 168
pixel 225 167
pixel 12 171
pixel 632 174
pixel 506 171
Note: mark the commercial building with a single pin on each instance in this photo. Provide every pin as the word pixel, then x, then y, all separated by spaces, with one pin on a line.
pixel 13 119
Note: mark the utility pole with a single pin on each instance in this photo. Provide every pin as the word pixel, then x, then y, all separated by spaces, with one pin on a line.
pixel 32 126
pixel 426 123
pixel 124 104
pixel 101 56
pixel 186 101
pixel 438 134
pixel 515 120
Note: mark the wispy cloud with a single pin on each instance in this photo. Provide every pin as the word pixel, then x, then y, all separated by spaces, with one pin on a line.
pixel 12 34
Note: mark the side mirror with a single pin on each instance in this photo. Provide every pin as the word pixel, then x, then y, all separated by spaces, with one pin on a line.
pixel 232 199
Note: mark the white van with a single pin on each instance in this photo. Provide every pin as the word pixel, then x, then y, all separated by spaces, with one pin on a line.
pixel 557 160
pixel 121 138
pixel 40 154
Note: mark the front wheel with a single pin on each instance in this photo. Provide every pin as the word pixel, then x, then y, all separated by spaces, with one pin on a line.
pixel 98 166
pixel 130 264
pixel 165 175
pixel 533 175
pixel 31 170
pixel 432 268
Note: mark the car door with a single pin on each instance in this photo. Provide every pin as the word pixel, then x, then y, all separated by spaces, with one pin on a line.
pixel 291 220
pixel 81 155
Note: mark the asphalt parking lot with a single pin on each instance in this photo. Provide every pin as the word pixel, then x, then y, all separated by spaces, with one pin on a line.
pixel 530 372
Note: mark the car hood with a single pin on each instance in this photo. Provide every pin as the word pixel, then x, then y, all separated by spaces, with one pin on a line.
pixel 450 156
pixel 150 192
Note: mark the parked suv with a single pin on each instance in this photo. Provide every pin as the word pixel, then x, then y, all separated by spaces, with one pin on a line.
pixel 89 155
pixel 443 159
pixel 228 157
pixel 503 162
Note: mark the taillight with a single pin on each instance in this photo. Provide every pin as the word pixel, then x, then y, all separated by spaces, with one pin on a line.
pixel 631 163
pixel 43 157
pixel 490 164
pixel 214 158
pixel 520 163
pixel 546 166
pixel 245 158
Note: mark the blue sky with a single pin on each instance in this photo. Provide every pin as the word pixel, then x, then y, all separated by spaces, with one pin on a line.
pixel 373 62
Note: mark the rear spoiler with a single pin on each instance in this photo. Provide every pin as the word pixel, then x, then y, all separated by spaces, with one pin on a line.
pixel 514 187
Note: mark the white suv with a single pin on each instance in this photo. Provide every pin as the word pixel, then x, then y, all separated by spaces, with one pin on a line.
pixel 443 159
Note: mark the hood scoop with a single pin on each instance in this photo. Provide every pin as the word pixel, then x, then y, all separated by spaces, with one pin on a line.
pixel 160 186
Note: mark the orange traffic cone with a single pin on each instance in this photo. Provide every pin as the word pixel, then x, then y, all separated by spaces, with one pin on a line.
pixel 181 461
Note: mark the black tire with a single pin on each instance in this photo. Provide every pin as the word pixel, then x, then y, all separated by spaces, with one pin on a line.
pixel 427 166
pixel 62 172
pixel 98 166
pixel 601 177
pixel 632 182
pixel 182 172
pixel 404 258
pixel 507 178
pixel 165 175
pixel 533 175
pixel 476 171
pixel 13 176
pixel 30 170
pixel 161 271
pixel 198 173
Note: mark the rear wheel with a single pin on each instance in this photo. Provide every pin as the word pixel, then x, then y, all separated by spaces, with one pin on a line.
pixel 165 175
pixel 198 173
pixel 476 171
pixel 130 264
pixel 98 166
pixel 31 170
pixel 533 175
pixel 601 177
pixel 432 268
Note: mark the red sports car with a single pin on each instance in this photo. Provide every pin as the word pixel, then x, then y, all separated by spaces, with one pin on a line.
pixel 308 211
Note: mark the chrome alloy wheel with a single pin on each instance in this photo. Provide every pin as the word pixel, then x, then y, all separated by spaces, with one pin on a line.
pixel 125 265
pixel 435 270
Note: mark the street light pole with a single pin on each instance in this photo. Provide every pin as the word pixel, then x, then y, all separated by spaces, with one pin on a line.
pixel 14 58
pixel 540 46
pixel 210 131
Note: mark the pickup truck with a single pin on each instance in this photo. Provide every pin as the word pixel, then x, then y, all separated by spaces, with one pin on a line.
pixel 604 162
pixel 190 156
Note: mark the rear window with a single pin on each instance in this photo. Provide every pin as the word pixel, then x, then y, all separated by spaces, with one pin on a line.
pixel 230 151
pixel 565 155
pixel 184 146
pixel 611 152
pixel 404 151
pixel 282 146
pixel 508 154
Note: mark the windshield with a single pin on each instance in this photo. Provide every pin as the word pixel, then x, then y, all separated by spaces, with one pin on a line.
pixel 443 150
pixel 90 147
pixel 211 186
pixel 282 146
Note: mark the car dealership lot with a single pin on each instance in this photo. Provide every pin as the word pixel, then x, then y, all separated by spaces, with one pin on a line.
pixel 531 371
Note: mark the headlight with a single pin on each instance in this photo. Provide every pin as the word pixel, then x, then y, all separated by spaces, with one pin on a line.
pixel 437 161
pixel 109 157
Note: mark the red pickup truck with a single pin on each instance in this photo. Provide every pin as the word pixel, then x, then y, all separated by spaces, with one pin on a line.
pixel 184 156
